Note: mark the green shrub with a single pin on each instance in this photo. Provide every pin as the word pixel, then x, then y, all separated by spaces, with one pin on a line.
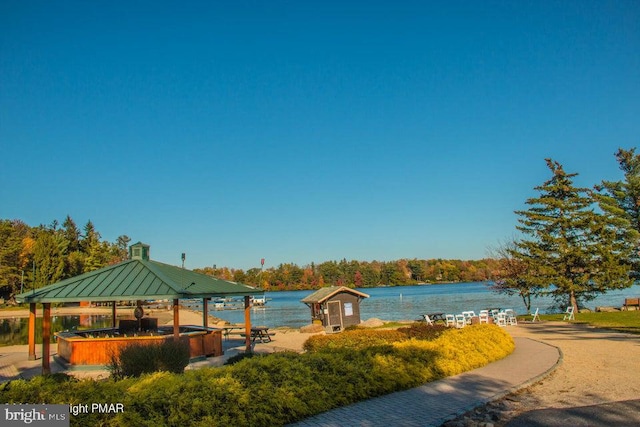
pixel 238 357
pixel 137 359
pixel 133 361
pixel 173 356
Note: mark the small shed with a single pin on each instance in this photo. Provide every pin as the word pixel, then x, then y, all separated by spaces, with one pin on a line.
pixel 335 307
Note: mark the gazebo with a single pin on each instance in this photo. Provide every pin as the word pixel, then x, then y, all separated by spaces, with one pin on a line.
pixel 137 279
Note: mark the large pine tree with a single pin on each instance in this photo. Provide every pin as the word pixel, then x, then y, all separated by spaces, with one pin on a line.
pixel 571 251
pixel 620 201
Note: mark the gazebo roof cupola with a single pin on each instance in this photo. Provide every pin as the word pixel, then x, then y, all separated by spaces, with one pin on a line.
pixel 139 251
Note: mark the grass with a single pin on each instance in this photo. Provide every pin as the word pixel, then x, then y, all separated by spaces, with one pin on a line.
pixel 621 321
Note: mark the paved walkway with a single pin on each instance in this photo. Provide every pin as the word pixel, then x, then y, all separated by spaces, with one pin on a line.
pixel 434 403
pixel 14 363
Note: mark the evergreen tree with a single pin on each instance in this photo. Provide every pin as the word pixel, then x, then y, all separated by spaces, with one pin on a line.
pixel 74 257
pixel 72 234
pixel 417 270
pixel 391 274
pixel 90 239
pixel 98 256
pixel 370 276
pixel 96 252
pixel 49 257
pixel 569 249
pixel 620 201
pixel 74 264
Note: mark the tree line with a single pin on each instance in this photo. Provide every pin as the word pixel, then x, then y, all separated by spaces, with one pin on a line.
pixel 32 257
pixel 575 243
pixel 360 274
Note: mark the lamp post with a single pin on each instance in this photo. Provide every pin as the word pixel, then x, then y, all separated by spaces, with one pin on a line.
pixel 260 274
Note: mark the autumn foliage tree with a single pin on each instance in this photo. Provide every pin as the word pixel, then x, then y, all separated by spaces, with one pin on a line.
pixel 512 273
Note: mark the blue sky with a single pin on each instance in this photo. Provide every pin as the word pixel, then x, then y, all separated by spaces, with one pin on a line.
pixel 308 131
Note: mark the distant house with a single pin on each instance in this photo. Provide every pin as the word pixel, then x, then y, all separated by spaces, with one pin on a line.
pixel 335 307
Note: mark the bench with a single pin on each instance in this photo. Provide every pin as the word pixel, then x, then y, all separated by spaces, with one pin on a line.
pixel 631 302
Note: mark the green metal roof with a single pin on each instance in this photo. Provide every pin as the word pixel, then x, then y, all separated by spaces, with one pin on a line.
pixel 323 294
pixel 137 279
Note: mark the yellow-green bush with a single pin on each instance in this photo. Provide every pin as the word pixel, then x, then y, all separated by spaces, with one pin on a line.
pixel 460 350
pixel 353 339
pixel 279 388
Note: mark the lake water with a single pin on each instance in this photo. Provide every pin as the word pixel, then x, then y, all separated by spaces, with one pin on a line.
pixel 14 331
pixel 407 303
pixel 390 303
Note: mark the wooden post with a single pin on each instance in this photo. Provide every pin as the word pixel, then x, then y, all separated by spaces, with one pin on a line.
pixel 32 331
pixel 176 320
pixel 205 312
pixel 46 338
pixel 113 314
pixel 247 323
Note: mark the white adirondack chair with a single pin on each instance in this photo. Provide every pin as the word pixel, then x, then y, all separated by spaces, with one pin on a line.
pixel 501 319
pixel 450 319
pixel 483 317
pixel 569 315
pixel 468 315
pixel 427 319
pixel 535 316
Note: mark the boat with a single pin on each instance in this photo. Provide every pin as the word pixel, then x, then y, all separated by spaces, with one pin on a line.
pixel 258 301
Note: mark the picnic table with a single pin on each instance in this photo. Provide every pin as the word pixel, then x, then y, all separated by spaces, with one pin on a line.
pixel 260 333
pixel 228 330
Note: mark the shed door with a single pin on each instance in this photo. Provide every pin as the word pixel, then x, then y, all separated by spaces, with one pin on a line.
pixel 335 313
